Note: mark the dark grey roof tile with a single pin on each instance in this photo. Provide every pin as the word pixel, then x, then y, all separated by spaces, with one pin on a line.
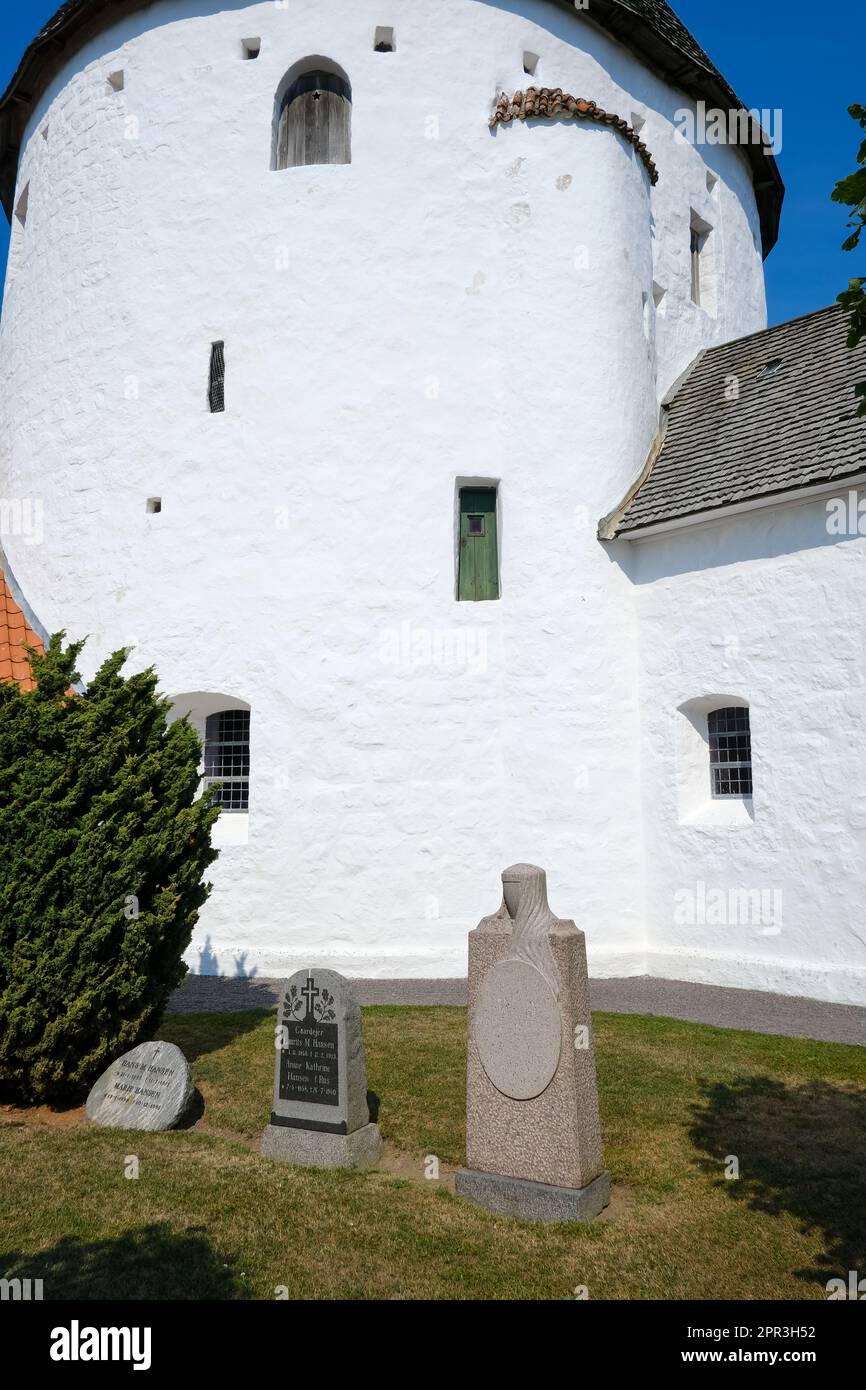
pixel 795 428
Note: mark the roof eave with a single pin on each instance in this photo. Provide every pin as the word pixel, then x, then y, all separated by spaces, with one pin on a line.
pixel 683 71
pixel 72 22
pixel 804 493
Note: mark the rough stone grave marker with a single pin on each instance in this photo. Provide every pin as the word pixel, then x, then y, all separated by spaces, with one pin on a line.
pixel 320 1114
pixel 147 1088
pixel 533 1136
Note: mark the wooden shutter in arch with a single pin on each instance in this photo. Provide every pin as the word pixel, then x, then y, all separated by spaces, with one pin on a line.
pixel 316 122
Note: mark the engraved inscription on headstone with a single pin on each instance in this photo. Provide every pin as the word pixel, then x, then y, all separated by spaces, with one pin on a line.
pixel 309 1060
pixel 147 1088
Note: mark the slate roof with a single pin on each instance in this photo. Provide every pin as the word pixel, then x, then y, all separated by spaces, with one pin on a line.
pixel 15 634
pixel 794 424
pixel 648 28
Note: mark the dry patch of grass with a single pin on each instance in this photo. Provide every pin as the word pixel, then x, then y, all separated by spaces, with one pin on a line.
pixel 209 1218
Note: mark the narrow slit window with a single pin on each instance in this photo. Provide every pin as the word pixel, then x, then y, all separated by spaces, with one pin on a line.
pixel 730 739
pixel 703 275
pixel 695 249
pixel 227 758
pixel 217 382
pixel 478 559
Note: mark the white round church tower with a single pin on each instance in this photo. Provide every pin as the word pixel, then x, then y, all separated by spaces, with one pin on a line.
pixel 324 382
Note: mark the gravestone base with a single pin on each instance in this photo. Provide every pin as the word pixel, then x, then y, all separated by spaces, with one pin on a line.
pixel 312 1148
pixel 533 1201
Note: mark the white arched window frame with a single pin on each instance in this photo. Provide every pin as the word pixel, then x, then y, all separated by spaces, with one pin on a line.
pixel 714 761
pixel 312 116
pixel 222 722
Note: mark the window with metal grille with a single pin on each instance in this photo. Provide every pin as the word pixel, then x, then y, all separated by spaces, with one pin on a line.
pixel 216 387
pixel 730 739
pixel 227 758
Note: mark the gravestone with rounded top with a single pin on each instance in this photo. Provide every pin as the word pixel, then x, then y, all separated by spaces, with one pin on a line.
pixel 147 1088
pixel 320 1116
pixel 533 1136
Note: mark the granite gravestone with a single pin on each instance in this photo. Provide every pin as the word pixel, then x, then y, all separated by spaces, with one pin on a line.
pixel 147 1088
pixel 533 1137
pixel 320 1114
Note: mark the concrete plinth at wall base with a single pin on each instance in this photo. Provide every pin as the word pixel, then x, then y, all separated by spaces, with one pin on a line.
pixel 533 1201
pixel 315 1149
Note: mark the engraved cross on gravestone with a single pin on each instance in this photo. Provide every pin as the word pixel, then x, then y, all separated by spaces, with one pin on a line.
pixel 320 1114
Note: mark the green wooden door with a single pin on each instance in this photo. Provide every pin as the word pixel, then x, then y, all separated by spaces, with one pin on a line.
pixel 478 566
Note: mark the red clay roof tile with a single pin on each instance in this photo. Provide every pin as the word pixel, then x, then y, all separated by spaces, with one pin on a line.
pixel 15 635
pixel 553 103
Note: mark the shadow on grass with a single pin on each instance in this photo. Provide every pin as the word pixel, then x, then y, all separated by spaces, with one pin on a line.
pixel 800 1150
pixel 198 1034
pixel 152 1262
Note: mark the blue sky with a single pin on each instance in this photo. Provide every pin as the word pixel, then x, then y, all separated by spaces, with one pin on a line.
pixel 787 55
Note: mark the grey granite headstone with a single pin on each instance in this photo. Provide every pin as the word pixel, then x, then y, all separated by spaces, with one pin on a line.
pixel 533 1136
pixel 147 1088
pixel 320 1115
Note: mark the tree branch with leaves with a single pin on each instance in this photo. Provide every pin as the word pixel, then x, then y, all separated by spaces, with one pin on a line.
pixel 851 193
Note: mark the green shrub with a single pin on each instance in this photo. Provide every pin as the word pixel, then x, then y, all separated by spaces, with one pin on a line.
pixel 103 847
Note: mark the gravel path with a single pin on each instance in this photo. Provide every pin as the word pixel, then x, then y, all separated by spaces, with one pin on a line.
pixel 753 1010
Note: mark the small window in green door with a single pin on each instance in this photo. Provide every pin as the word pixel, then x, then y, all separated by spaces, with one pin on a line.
pixel 478 562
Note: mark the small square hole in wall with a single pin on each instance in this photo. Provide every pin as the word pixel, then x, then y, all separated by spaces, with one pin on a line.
pixel 712 182
pixel 154 504
pixel 383 41
pixel 251 48
pixel 530 63
pixel 114 81
pixel 637 122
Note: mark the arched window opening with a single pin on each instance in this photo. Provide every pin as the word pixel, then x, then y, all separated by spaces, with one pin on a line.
pixel 315 121
pixel 730 739
pixel 227 758
pixel 713 747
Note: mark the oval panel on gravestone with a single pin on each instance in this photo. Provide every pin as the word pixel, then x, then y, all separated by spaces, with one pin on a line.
pixel 147 1088
pixel 517 1029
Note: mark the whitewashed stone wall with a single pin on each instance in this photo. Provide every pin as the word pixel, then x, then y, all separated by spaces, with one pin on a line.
pixel 766 608
pixel 456 304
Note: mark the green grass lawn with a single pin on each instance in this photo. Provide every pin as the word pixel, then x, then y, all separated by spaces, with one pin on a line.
pixel 209 1218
